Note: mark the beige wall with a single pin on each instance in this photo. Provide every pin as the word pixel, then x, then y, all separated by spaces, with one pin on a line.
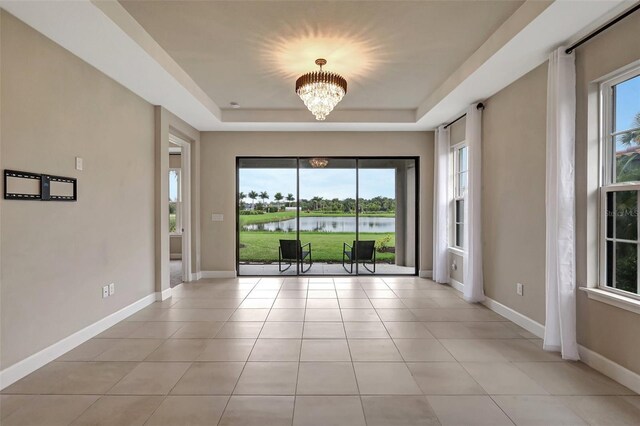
pixel 610 331
pixel 220 149
pixel 513 204
pixel 56 256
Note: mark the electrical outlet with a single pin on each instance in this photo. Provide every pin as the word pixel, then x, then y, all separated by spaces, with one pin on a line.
pixel 79 165
pixel 105 291
pixel 112 289
pixel 454 266
pixel 519 289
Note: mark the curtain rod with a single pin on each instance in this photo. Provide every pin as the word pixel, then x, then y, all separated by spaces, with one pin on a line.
pixel 602 28
pixel 479 106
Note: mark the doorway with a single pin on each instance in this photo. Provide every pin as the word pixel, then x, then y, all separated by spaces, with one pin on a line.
pixel 327 216
pixel 179 210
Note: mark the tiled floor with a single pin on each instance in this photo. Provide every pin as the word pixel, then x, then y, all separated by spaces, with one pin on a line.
pixel 316 351
pixel 321 268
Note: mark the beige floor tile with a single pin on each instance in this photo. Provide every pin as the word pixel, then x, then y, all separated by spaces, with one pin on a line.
pixel 258 411
pixel 328 410
pixel 398 411
pixel 326 285
pixel 149 314
pixel 88 351
pixel 365 330
pixel 396 315
pixel 207 303
pixel 325 350
pixel 354 303
pixel 286 315
pixel 121 330
pixel 240 330
pixel 537 410
pixel 209 378
pixel 467 410
pixel 119 410
pixel 150 378
pixel 250 315
pixel 407 330
pixel 155 330
pixel 374 350
pixel 355 294
pixel 72 378
pixel 198 330
pixel 281 330
pixel 322 304
pixel 323 330
pixel 571 378
pixel 419 303
pixel 360 315
pixel 388 304
pixel 129 349
pixel 10 403
pixel 49 410
pixel 290 304
pixel 471 330
pixel 326 378
pixel 292 294
pixel 524 350
pixel 196 315
pixel 179 350
pixel 260 293
pixel 502 378
pixel 323 315
pixel 256 304
pixel 422 350
pixel 466 315
pixel 472 350
pixel 604 410
pixel 385 378
pixel 268 378
pixel 276 350
pixel 227 350
pixel 444 378
pixel 188 410
pixel 380 294
pixel 322 294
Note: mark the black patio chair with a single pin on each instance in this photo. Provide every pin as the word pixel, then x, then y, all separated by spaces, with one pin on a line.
pixel 290 251
pixel 362 252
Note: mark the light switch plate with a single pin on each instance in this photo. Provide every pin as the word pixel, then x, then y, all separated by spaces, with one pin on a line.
pixel 217 217
pixel 79 164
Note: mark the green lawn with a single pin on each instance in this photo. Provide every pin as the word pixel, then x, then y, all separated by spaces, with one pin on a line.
pixel 262 246
pixel 274 217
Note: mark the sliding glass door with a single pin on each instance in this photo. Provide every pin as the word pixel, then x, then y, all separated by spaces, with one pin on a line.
pixel 327 216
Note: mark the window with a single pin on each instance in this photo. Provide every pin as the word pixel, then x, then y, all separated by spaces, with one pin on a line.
pixel 620 153
pixel 460 172
pixel 175 202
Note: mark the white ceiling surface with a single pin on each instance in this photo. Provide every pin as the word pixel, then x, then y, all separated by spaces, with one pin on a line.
pixel 409 66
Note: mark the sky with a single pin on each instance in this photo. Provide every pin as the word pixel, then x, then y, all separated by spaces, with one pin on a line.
pixel 627 103
pixel 325 183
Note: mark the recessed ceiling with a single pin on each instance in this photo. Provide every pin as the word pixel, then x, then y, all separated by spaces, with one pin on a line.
pixel 393 53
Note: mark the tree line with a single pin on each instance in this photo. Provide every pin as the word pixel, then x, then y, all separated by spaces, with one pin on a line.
pixel 346 205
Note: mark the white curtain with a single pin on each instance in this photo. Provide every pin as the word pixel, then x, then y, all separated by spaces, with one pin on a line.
pixel 441 207
pixel 560 323
pixel 473 281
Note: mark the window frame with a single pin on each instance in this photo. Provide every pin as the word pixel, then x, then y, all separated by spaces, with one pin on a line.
pixel 457 194
pixel 178 202
pixel 607 176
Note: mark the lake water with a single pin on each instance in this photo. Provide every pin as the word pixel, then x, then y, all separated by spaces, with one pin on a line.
pixel 328 224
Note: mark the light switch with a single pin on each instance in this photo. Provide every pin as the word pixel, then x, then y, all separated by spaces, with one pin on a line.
pixel 78 163
pixel 217 217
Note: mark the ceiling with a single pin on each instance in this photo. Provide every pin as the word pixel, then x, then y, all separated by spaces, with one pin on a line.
pixel 392 53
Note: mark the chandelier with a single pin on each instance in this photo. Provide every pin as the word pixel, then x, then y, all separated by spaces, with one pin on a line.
pixel 321 90
pixel 318 163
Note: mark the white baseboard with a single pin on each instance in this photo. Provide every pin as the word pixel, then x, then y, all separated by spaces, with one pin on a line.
pixel 218 274
pixel 425 273
pixel 175 256
pixel 609 368
pixel 456 284
pixel 195 276
pixel 164 295
pixel 28 365
pixel 523 321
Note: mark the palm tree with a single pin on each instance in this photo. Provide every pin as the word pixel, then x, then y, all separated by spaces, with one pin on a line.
pixel 317 201
pixel 627 161
pixel 253 195
pixel 264 196
pixel 278 197
pixel 634 135
pixel 241 197
pixel 290 198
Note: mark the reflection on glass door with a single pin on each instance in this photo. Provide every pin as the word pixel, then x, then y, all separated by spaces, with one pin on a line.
pixel 327 216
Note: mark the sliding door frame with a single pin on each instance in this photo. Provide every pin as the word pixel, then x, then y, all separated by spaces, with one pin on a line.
pixel 357 159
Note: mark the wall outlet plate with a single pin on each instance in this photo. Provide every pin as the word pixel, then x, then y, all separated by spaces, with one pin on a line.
pixel 105 291
pixel 112 289
pixel 519 289
pixel 217 217
pixel 79 164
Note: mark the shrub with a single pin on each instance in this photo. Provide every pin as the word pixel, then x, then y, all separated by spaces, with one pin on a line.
pixel 382 245
pixel 250 212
